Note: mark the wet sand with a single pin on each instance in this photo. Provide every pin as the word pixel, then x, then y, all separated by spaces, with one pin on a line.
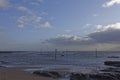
pixel 18 74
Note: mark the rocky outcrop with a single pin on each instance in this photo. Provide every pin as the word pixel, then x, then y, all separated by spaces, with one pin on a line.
pixel 101 76
pixel 52 74
pixel 112 73
pixel 111 70
pixel 112 63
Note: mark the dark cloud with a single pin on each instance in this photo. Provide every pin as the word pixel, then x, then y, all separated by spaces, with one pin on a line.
pixel 108 36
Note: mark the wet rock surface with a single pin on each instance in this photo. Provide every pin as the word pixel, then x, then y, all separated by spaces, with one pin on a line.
pixel 112 63
pixel 52 74
pixel 102 76
pixel 105 74
pixel 111 70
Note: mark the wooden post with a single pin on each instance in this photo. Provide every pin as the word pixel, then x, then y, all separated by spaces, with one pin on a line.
pixel 55 54
pixel 96 54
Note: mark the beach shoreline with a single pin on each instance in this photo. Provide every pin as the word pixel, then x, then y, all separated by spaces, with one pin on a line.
pixel 17 73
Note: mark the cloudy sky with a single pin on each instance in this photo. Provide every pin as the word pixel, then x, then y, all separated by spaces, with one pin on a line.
pixel 62 24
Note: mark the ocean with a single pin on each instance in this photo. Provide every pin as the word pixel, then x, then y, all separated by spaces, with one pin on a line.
pixel 75 58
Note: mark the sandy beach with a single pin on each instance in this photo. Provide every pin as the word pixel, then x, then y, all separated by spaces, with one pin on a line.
pixel 18 74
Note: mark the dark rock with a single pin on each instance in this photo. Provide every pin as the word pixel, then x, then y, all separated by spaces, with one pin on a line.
pixel 111 70
pixel 100 76
pixel 45 74
pixel 52 74
pixel 78 77
pixel 4 62
pixel 56 74
pixel 106 74
pixel 112 63
pixel 113 57
pixel 62 55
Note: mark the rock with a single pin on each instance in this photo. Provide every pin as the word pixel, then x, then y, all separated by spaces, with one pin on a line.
pixel 78 77
pixel 52 74
pixel 45 74
pixel 56 74
pixel 4 62
pixel 111 70
pixel 100 76
pixel 113 57
pixel 105 74
pixel 112 63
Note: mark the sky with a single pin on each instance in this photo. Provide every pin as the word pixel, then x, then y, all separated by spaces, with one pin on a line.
pixel 35 25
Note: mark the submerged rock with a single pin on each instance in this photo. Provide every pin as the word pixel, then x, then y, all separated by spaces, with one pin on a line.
pixel 112 63
pixel 111 70
pixel 113 57
pixel 4 62
pixel 52 74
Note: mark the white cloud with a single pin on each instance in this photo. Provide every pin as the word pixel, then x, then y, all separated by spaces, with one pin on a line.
pixel 107 27
pixel 65 36
pixel 36 2
pixel 24 19
pixel 47 25
pixel 71 40
pixel 28 20
pixel 34 21
pixel 111 3
pixel 44 25
pixel 31 19
pixel 4 3
pixel 25 9
pixel 38 19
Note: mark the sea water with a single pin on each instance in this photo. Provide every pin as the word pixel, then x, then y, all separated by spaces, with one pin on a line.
pixel 79 58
